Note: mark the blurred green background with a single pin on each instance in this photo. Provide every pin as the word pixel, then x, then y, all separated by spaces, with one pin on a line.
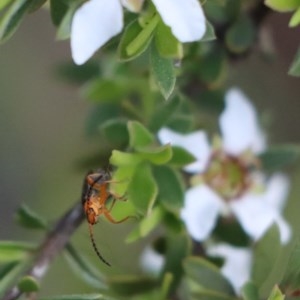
pixel 42 128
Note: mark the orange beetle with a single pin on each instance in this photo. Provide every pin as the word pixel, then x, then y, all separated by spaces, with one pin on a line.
pixel 94 198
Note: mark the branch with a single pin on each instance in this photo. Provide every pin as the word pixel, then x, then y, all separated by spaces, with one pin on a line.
pixel 53 244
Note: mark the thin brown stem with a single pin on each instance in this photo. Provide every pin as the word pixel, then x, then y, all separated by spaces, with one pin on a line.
pixel 53 244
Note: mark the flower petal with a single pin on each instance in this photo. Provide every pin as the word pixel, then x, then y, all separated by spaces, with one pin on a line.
pixel 93 24
pixel 254 214
pixel 239 125
pixel 196 143
pixel 277 191
pixel 237 265
pixel 133 5
pixel 151 261
pixel 186 18
pixel 200 211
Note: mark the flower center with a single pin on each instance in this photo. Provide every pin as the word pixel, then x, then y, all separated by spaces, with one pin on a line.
pixel 228 175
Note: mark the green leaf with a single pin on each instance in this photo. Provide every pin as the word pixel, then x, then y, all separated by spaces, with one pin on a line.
pixel 12 18
pixel 167 45
pixel 142 190
pixel 143 37
pixel 126 285
pixel 177 249
pixel 28 284
pixel 115 131
pixel 119 158
pixel 58 9
pixel 278 157
pixel 207 275
pixel 35 5
pixel 163 113
pixel 181 157
pixel 4 3
pixel 291 277
pixel 210 295
pixel 83 269
pixel 64 28
pixel 163 72
pixel 171 191
pixel 139 136
pixel 28 218
pixel 295 19
pixel 250 291
pixel 276 294
pixel 241 35
pixel 148 223
pixel 266 252
pixel 283 5
pixel 132 30
pixel 295 67
pixel 79 297
pixel 212 66
pixel 13 251
pixel 209 33
pixel 158 155
pixel 9 274
pixel 166 285
pixel 103 90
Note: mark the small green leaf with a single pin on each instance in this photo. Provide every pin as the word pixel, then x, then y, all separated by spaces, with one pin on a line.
pixel 177 249
pixel 79 297
pixel 163 113
pixel 35 5
pixel 103 90
pixel 58 10
pixel 181 157
pixel 12 18
pixel 166 285
pixel 250 291
pixel 83 268
pixel 266 252
pixel 147 224
pixel 4 3
pixel 241 35
pixel 13 251
pixel 295 67
pixel 28 218
pixel 126 285
pixel 142 190
pixel 278 157
pixel 119 158
pixel 283 5
pixel 291 277
pixel 209 33
pixel 167 45
pixel 295 19
pixel 207 275
pixel 171 192
pixel 139 136
pixel 115 131
pixel 276 294
pixel 210 295
pixel 132 30
pixel 28 284
pixel 64 28
pixel 143 37
pixel 158 155
pixel 163 72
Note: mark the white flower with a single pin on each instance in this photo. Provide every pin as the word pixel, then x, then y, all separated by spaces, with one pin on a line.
pixel 228 183
pixel 151 261
pixel 97 21
pixel 237 264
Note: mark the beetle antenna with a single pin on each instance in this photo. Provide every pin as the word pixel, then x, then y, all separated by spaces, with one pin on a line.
pixel 95 246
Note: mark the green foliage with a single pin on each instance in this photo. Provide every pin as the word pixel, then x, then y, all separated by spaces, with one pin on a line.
pixel 163 72
pixel 283 5
pixel 207 277
pixel 79 297
pixel 295 67
pixel 278 157
pixel 28 284
pixel 14 251
pixel 250 291
pixel 276 294
pixel 266 252
pixel 28 218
